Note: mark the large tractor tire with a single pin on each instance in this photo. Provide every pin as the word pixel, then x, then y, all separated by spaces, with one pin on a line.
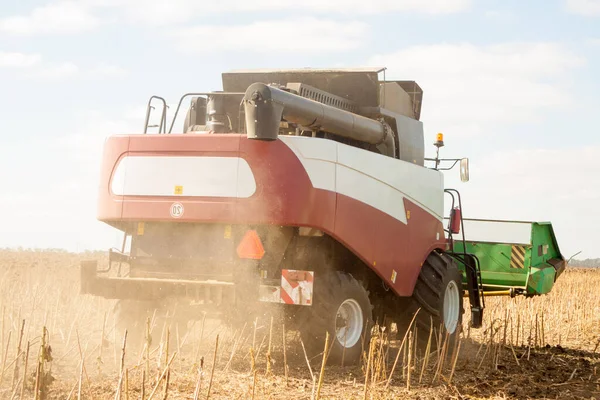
pixel 439 295
pixel 341 307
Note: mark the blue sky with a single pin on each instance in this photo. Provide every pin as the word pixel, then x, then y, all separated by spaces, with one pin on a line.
pixel 513 85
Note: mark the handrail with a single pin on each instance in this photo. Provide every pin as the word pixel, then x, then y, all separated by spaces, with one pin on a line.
pixel 163 118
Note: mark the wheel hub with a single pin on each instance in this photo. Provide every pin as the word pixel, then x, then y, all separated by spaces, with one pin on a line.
pixel 349 323
pixel 451 307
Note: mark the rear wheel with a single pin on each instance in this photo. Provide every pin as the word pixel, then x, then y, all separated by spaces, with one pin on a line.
pixel 439 295
pixel 341 307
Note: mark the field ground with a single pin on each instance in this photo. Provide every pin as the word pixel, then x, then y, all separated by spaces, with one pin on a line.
pixel 544 347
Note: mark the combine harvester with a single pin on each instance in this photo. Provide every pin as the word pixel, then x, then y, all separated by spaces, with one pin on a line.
pixel 306 190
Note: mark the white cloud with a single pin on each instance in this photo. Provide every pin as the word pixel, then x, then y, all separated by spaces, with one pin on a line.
pixel 500 15
pixel 164 12
pixel 108 70
pixel 315 36
pixel 59 71
pixel 35 66
pixel 70 16
pixel 55 72
pixel 469 88
pixel 62 17
pixel 588 8
pixel 555 185
pixel 18 60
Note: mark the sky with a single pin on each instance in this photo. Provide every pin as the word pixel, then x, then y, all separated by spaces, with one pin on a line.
pixel 513 86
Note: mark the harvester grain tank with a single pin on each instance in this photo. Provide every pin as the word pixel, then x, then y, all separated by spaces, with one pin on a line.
pixel 307 190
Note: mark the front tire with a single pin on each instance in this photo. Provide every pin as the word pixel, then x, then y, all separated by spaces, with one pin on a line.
pixel 341 307
pixel 439 294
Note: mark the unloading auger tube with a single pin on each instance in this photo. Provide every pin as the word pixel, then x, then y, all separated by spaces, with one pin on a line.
pixel 265 106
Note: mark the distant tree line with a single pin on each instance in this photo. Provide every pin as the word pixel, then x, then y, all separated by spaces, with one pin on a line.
pixel 587 263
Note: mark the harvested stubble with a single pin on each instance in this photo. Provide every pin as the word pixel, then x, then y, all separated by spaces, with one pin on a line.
pixel 546 347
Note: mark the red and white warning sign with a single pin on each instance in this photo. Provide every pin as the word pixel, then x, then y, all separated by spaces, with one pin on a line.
pixel 297 287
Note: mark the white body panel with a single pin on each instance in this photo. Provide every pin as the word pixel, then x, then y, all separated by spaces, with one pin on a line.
pixel 379 181
pixel 197 176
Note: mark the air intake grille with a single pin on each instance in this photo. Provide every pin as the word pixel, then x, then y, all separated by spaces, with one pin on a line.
pixel 321 96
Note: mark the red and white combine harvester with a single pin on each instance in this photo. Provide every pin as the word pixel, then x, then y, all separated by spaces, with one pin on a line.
pixel 301 189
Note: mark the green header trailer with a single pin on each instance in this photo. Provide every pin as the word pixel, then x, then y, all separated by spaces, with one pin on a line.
pixel 515 257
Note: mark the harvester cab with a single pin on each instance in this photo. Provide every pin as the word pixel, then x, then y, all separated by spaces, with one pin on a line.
pixel 304 190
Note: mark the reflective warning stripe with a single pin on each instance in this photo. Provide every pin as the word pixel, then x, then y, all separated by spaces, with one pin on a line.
pixel 517 257
pixel 284 294
pixel 297 287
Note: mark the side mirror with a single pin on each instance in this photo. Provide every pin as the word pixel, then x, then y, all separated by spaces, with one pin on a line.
pixel 464 169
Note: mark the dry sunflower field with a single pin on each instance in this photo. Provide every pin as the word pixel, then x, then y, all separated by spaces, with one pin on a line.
pixel 57 344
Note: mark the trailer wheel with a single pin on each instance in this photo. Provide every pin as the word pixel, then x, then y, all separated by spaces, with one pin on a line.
pixel 341 307
pixel 438 293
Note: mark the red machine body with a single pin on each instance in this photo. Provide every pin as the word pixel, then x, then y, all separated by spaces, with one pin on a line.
pixel 284 196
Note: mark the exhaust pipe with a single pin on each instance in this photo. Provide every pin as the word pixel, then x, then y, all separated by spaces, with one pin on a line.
pixel 265 106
